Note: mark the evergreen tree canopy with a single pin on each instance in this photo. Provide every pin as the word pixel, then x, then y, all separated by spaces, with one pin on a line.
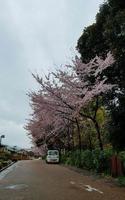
pixel 108 34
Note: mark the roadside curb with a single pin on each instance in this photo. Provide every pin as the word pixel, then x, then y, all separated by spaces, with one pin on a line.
pixel 7 166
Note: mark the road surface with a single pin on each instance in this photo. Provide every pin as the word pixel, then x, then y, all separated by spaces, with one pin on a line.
pixel 35 180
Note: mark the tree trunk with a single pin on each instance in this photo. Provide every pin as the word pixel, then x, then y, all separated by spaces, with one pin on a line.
pixel 68 139
pixel 98 134
pixel 80 143
pixel 73 145
pixel 97 125
pixel 79 135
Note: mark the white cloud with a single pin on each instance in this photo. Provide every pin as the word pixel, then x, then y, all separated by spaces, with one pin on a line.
pixel 34 35
pixel 14 134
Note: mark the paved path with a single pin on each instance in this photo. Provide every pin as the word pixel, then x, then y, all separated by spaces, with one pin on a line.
pixel 35 180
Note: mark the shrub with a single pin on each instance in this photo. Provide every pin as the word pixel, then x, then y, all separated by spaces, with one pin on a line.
pixel 96 159
pixel 92 160
pixel 64 157
pixel 87 159
pixel 76 158
pixel 122 155
pixel 121 181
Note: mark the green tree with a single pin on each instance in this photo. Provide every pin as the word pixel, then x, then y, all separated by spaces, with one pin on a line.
pixel 108 33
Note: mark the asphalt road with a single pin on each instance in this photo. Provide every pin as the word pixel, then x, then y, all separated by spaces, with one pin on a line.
pixel 35 180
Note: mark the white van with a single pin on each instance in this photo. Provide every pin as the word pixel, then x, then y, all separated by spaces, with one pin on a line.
pixel 52 156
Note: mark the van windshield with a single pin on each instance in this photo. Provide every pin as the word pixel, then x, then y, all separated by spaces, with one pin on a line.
pixel 53 153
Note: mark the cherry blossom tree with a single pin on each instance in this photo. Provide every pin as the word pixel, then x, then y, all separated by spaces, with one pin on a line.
pixel 47 124
pixel 65 97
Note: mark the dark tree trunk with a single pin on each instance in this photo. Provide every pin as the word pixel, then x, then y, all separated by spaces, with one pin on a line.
pixel 98 134
pixel 93 119
pixel 79 135
pixel 80 142
pixel 97 125
pixel 68 139
pixel 73 145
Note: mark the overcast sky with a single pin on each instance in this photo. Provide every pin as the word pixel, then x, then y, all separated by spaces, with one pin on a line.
pixel 35 35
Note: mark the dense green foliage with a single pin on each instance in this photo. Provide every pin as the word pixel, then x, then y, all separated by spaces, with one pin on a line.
pixel 92 160
pixel 108 33
pixel 121 181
